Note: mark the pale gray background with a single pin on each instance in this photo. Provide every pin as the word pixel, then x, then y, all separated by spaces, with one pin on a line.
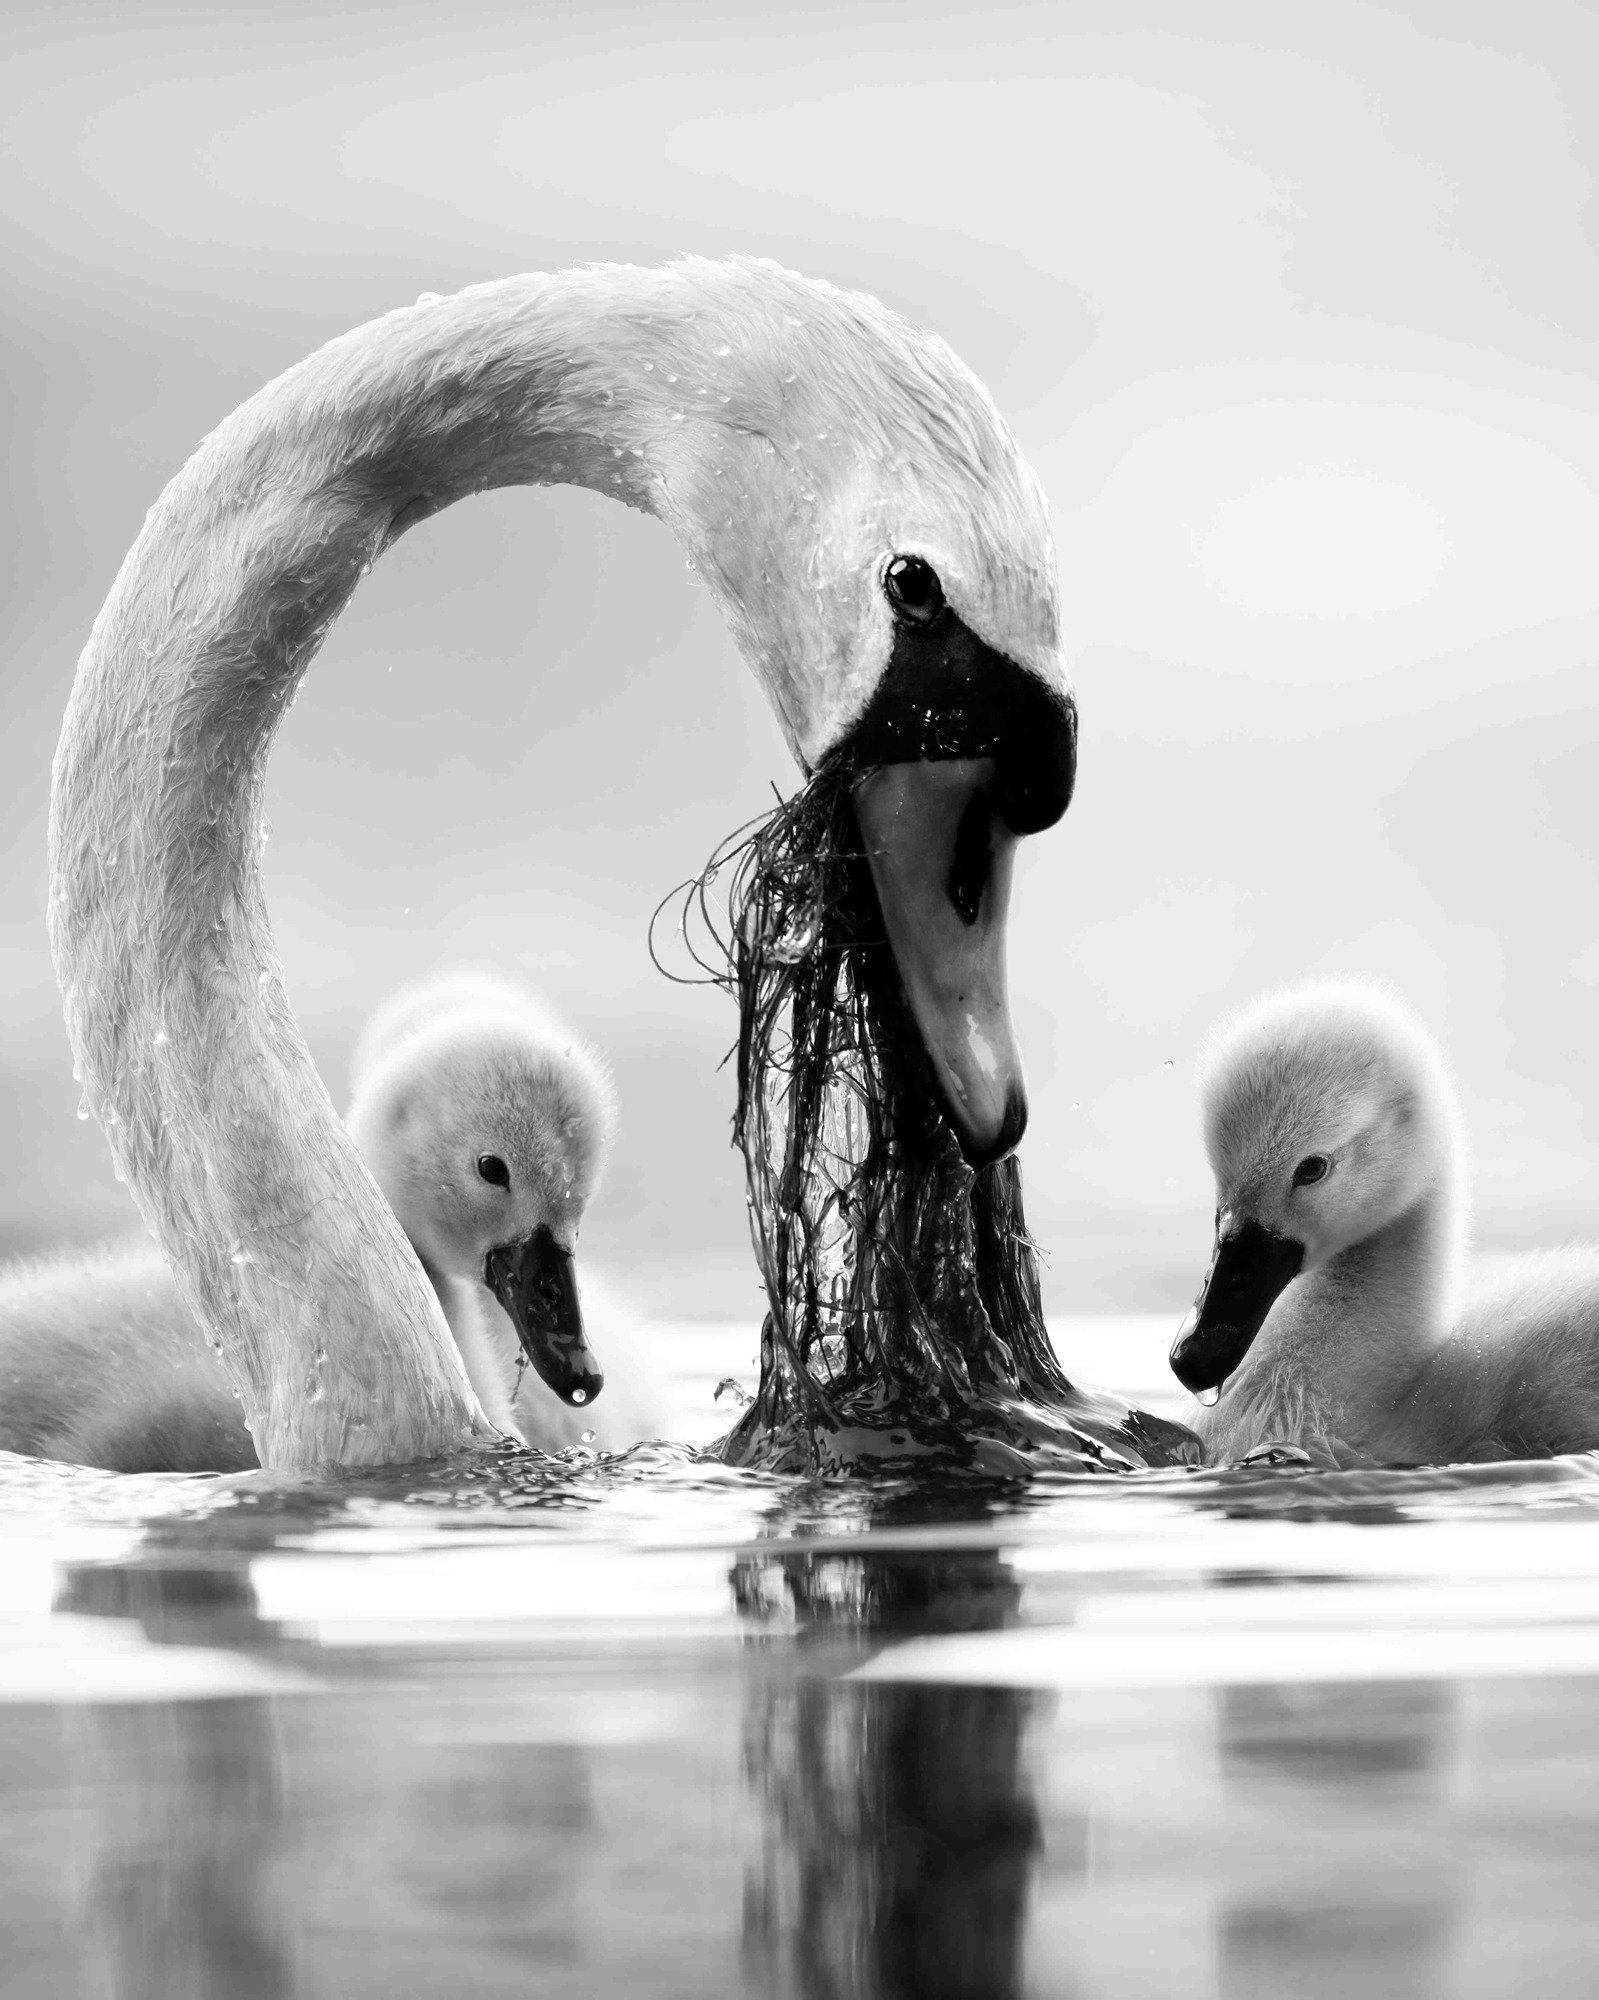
pixel 1297 315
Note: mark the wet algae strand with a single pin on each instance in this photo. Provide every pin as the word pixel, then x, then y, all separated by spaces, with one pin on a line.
pixel 905 1319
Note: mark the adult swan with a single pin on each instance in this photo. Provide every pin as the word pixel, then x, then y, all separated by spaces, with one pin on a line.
pixel 851 497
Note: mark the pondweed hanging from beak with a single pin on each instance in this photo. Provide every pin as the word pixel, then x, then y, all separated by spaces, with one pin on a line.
pixel 904 1311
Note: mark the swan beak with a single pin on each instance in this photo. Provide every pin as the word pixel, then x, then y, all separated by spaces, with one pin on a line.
pixel 941 857
pixel 1248 1271
pixel 536 1283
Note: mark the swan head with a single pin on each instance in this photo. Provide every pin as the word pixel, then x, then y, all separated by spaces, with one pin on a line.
pixel 883 555
pixel 487 1132
pixel 1327 1115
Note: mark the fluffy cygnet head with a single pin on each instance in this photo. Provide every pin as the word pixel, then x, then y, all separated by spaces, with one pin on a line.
pixel 1328 1114
pixel 487 1129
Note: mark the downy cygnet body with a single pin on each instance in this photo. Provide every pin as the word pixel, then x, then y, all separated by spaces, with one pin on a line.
pixel 486 1123
pixel 1340 1313
pixel 102 1364
pixel 882 554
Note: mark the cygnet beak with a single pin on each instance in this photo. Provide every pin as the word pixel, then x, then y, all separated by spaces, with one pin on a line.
pixel 1249 1269
pixel 536 1282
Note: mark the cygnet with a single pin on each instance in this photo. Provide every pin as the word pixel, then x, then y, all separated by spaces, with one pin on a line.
pixel 486 1124
pixel 1340 1313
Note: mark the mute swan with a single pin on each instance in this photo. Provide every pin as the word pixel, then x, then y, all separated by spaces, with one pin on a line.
pixel 101 1364
pixel 1339 1311
pixel 882 554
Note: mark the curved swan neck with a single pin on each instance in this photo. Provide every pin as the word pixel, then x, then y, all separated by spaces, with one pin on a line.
pixel 179 1022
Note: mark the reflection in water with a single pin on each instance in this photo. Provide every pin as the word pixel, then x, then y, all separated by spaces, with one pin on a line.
pixel 1337 1920
pixel 1338 1734
pixel 900 1833
pixel 530 1742
pixel 179 1879
pixel 900 1839
pixel 507 1824
pixel 175 1601
pixel 184 1803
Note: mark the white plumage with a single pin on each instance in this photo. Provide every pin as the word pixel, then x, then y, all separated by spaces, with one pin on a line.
pixel 1390 1345
pixel 102 1364
pixel 793 436
pixel 469 1065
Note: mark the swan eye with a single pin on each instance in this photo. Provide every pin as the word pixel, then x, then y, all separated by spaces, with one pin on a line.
pixel 1316 1168
pixel 913 589
pixel 494 1170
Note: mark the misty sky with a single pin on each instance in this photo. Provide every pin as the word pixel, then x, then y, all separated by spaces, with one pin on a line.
pixel 1298 318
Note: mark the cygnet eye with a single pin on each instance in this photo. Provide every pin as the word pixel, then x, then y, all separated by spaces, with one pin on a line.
pixel 913 589
pixel 494 1170
pixel 1312 1169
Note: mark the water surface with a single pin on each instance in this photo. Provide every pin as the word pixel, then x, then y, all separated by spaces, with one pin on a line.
pixel 656 1727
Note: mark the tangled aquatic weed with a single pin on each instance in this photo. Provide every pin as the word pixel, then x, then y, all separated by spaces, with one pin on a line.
pixel 904 1316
